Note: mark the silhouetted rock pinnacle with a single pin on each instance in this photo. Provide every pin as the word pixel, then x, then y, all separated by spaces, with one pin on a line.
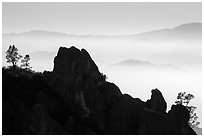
pixel 74 72
pixel 157 101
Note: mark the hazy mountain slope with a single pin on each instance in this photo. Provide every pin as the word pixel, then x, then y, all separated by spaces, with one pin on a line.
pixel 34 33
pixel 189 28
pixel 191 31
pixel 135 64
pixel 132 62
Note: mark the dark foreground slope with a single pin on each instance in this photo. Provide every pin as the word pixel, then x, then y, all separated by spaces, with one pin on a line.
pixel 75 98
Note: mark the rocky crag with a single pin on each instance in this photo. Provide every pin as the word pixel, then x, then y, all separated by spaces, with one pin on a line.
pixel 75 98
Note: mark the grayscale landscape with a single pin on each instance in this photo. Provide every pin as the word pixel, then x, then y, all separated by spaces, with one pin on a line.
pixel 137 49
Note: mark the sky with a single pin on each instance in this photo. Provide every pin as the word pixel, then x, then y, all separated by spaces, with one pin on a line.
pixel 98 18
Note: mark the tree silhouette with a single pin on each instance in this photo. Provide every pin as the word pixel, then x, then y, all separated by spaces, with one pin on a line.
pixel 183 99
pixel 13 56
pixel 25 62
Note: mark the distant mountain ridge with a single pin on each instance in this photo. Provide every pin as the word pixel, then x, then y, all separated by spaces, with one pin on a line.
pixel 188 31
pixel 133 62
pixel 37 33
pixel 139 63
pixel 189 27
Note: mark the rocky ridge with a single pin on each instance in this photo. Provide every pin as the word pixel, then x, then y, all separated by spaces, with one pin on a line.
pixel 75 98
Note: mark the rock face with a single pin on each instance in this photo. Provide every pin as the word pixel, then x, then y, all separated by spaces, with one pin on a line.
pixel 75 99
pixel 76 80
pixel 157 101
pixel 74 72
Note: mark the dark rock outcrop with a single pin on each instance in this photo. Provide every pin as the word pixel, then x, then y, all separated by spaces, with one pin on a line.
pixel 74 72
pixel 41 123
pixel 125 116
pixel 75 99
pixel 157 101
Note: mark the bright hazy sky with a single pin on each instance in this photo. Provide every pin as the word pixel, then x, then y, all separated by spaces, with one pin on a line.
pixel 98 18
